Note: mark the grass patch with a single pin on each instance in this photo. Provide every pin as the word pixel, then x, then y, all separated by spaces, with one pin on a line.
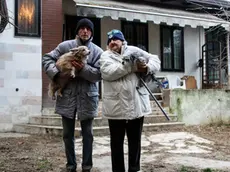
pixel 184 169
pixel 2 164
pixel 189 169
pixel 44 165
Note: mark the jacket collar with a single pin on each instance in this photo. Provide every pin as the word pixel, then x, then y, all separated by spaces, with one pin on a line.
pixel 123 48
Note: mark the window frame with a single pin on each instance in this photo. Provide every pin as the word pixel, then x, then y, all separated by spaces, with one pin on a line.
pixel 134 24
pixel 172 28
pixel 16 31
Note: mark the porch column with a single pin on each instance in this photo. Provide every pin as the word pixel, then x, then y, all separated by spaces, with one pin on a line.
pixel 52 23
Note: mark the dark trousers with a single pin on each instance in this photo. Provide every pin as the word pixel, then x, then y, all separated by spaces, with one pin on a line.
pixel 133 129
pixel 68 138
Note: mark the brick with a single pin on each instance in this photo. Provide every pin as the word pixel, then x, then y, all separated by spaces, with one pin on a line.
pixel 3 101
pixel 2 64
pixel 6 56
pixel 52 22
pixel 22 75
pixel 8 49
pixel 5 118
pixel 1 82
pixel 31 100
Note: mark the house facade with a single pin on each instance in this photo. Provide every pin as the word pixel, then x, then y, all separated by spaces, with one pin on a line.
pixel 175 35
pixel 20 70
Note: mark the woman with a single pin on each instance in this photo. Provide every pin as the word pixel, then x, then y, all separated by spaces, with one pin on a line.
pixel 125 102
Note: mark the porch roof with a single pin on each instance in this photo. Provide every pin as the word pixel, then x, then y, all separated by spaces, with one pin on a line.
pixel 121 10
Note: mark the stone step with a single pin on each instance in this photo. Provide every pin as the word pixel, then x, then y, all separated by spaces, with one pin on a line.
pixel 155 109
pixel 52 114
pixel 99 121
pixel 98 131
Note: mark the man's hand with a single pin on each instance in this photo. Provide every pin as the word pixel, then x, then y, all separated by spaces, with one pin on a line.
pixel 78 64
pixel 141 67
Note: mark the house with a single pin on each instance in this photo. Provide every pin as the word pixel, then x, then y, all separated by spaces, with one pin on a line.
pixel 36 27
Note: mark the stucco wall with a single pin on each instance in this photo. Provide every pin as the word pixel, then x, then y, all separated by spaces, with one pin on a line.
pixel 199 107
pixel 107 24
pixel 193 41
pixel 20 68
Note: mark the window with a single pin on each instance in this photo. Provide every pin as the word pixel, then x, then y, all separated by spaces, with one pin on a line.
pixel 172 49
pixel 215 57
pixel 136 34
pixel 27 18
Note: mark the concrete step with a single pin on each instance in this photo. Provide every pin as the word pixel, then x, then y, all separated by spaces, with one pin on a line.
pixel 99 121
pixel 50 113
pixel 98 131
pixel 155 108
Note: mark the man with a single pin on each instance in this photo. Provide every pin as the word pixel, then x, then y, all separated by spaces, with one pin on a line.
pixel 125 101
pixel 80 96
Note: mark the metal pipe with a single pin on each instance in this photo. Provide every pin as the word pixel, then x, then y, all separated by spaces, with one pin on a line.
pixel 154 98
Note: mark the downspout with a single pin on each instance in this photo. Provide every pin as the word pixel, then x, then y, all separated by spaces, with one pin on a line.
pixel 227 39
pixel 201 42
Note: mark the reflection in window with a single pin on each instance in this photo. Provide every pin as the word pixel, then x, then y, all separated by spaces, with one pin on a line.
pixel 172 48
pixel 27 18
pixel 177 49
pixel 167 49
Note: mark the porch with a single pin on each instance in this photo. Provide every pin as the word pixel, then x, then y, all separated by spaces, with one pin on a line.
pixel 176 36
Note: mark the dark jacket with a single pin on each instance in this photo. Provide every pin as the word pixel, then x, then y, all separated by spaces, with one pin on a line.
pixel 81 93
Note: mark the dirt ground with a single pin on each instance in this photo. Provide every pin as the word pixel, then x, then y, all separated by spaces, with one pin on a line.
pixel 46 153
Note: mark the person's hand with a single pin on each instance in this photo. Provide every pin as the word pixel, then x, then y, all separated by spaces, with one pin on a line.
pixel 141 67
pixel 78 64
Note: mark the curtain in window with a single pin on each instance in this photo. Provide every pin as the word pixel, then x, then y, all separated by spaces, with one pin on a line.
pixel 167 49
pixel 177 49
pixel 28 16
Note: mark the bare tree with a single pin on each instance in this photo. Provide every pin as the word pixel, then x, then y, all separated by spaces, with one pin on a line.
pixel 215 52
pixel 5 16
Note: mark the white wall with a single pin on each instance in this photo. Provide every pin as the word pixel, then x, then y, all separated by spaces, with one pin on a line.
pixel 201 107
pixel 108 24
pixel 154 38
pixel 20 68
pixel 193 41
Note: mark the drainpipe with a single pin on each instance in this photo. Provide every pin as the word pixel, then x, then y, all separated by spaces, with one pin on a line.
pixel 228 60
pixel 201 43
